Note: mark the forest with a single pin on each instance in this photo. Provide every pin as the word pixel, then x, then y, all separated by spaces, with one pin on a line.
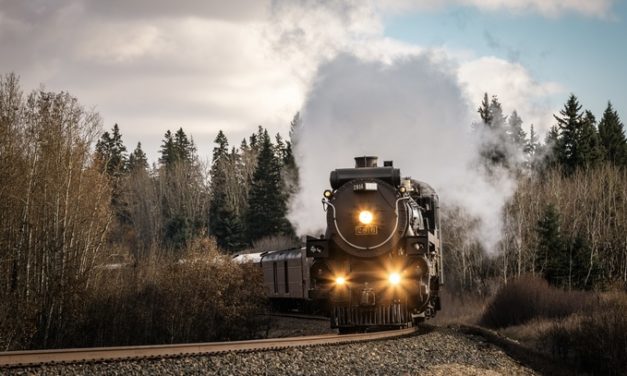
pixel 100 247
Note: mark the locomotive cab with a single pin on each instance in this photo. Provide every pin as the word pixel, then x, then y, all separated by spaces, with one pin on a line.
pixel 379 263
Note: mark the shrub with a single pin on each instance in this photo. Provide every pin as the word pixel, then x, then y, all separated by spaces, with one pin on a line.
pixel 203 296
pixel 527 298
pixel 595 340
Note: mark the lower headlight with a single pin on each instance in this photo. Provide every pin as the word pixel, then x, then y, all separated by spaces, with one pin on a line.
pixel 394 279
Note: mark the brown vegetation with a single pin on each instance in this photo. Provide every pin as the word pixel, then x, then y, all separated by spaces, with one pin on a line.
pixel 586 329
pixel 594 339
pixel 201 297
pixel 64 213
pixel 55 212
pixel 528 298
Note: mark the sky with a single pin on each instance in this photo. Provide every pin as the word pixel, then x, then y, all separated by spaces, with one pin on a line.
pixel 154 65
pixel 399 79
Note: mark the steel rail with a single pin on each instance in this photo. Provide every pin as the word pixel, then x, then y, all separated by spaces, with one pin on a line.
pixel 101 354
pixel 299 316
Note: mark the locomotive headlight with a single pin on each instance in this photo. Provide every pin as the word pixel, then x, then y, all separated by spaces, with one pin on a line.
pixel 340 281
pixel 327 193
pixel 365 217
pixel 394 279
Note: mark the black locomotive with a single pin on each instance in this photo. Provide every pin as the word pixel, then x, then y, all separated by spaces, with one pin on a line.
pixel 380 262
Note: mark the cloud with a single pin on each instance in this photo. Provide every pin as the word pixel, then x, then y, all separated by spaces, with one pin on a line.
pixel 551 8
pixel 35 11
pixel 153 73
pixel 547 8
pixel 515 87
pixel 157 65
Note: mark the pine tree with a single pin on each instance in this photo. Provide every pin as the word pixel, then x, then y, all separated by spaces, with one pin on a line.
pixel 484 110
pixel 550 149
pixel 177 148
pixel 247 164
pixel 137 160
pixel 532 144
pixel 183 147
pixel 218 182
pixel 168 150
pixel 494 133
pixel 181 188
pixel 517 136
pixel 224 222
pixel 551 253
pixel 612 136
pixel 568 146
pixel 589 144
pixel 578 277
pixel 267 204
pixel 111 152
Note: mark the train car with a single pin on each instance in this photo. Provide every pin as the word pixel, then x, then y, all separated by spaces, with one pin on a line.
pixel 285 275
pixel 379 263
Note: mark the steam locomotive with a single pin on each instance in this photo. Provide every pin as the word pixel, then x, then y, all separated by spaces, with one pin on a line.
pixel 379 264
pixel 380 261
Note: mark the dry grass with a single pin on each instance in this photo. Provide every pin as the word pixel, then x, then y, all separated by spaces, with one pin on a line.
pixel 459 309
pixel 528 298
pixel 595 340
pixel 586 329
pixel 202 297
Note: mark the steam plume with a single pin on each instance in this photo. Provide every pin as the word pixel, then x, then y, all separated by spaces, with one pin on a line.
pixel 410 110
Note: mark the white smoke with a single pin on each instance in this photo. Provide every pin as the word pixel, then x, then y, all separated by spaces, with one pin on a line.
pixel 409 109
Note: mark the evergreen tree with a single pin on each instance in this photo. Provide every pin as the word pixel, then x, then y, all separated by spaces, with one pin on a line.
pixel 177 148
pixel 484 110
pixel 224 222
pixel 184 148
pixel 532 145
pixel 612 136
pixel 168 150
pixel 279 149
pixel 590 147
pixel 111 152
pixel 247 164
pixel 551 261
pixel 517 136
pixel 181 186
pixel 267 203
pixel 494 134
pixel 570 125
pixel 221 150
pixel 580 275
pixel 550 148
pixel 218 173
pixel 137 160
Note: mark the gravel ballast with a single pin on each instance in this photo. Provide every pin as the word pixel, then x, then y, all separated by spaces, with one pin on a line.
pixel 439 352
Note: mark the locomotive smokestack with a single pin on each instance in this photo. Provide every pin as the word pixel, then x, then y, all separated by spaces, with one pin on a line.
pixel 365 161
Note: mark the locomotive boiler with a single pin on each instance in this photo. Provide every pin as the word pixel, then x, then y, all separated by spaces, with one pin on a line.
pixel 379 264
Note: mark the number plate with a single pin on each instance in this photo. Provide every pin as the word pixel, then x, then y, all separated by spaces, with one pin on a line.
pixel 366 230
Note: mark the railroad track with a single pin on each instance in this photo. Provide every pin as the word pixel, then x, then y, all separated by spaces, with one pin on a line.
pixel 104 354
pixel 299 316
